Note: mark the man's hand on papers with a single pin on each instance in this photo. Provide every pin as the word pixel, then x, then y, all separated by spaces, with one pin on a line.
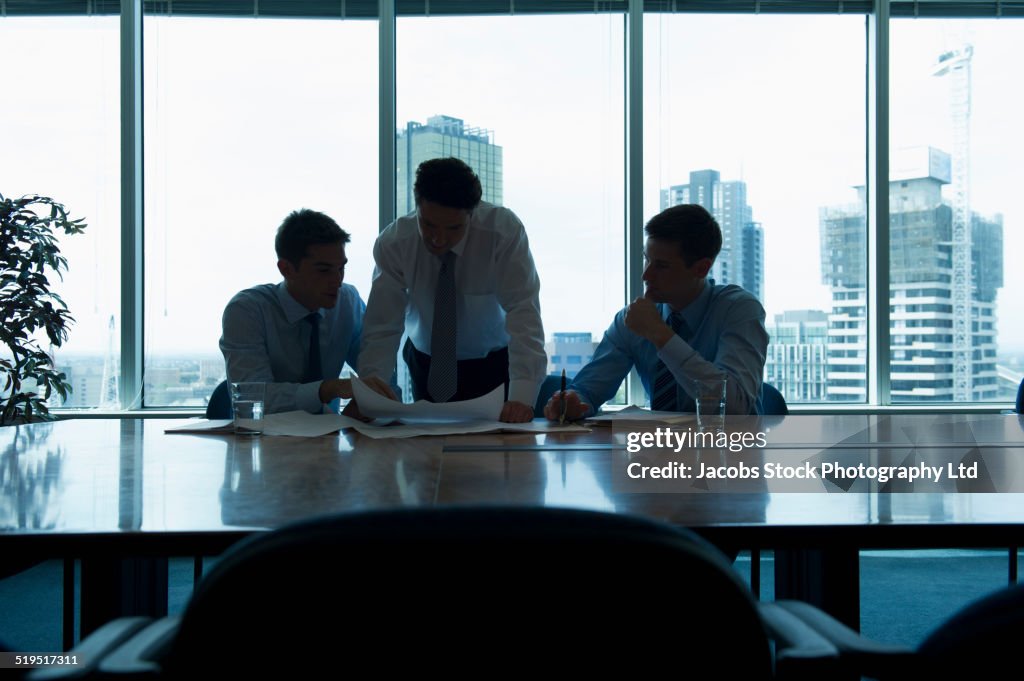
pixel 342 387
pixel 575 408
pixel 380 387
pixel 332 388
pixel 516 412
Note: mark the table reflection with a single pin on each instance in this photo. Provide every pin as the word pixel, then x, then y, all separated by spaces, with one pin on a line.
pixel 130 480
pixel 272 481
pixel 30 478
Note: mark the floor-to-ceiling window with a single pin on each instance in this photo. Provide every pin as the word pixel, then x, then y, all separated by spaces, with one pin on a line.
pixel 761 120
pixel 761 116
pixel 955 210
pixel 535 105
pixel 59 127
pixel 246 120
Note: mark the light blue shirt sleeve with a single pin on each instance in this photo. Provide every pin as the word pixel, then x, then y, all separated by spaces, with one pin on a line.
pixel 245 345
pixel 733 341
pixel 600 379
pixel 357 312
pixel 730 338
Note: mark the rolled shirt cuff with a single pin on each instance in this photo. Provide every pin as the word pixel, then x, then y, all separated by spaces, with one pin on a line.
pixel 675 351
pixel 524 391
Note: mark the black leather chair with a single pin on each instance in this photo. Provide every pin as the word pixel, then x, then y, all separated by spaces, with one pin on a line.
pixel 1020 398
pixel 772 401
pixel 470 590
pixel 219 406
pixel 980 641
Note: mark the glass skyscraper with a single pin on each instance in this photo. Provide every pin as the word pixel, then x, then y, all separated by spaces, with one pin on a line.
pixel 445 136
pixel 741 261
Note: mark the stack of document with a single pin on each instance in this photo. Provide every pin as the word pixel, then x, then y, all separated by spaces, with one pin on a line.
pixel 393 419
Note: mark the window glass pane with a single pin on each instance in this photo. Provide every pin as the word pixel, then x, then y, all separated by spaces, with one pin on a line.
pixel 61 138
pixel 955 142
pixel 760 119
pixel 535 105
pixel 246 121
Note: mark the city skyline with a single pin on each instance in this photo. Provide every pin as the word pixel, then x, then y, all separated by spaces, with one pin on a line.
pixel 741 260
pixel 814 355
pixel 742 109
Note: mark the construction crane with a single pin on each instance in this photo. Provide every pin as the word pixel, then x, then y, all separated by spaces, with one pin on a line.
pixel 109 385
pixel 956 64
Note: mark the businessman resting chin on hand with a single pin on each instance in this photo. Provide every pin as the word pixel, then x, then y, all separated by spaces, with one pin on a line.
pixel 684 328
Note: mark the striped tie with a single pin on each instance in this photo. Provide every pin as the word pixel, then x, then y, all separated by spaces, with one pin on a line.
pixel 314 372
pixel 443 380
pixel 665 388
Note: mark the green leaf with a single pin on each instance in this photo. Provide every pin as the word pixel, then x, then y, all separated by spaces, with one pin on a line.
pixel 29 256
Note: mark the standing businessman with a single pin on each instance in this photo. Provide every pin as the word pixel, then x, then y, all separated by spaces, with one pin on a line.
pixel 458 277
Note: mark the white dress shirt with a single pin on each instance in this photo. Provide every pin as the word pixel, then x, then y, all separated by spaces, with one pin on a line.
pixel 497 298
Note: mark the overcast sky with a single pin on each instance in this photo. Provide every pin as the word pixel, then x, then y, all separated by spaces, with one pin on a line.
pixel 249 119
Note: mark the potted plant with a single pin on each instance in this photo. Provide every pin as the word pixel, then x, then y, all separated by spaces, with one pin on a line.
pixel 29 228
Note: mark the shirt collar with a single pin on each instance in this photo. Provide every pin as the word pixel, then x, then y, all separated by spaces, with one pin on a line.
pixel 294 311
pixel 458 248
pixel 694 313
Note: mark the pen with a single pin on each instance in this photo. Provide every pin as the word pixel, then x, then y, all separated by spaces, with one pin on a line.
pixel 561 419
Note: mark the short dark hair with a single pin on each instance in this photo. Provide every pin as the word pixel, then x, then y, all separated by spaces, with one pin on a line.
pixel 691 227
pixel 304 228
pixel 447 182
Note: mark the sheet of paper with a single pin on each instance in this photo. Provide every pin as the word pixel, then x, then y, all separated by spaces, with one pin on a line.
pixel 303 424
pixel 202 426
pixel 635 413
pixel 472 427
pixel 296 423
pixel 376 406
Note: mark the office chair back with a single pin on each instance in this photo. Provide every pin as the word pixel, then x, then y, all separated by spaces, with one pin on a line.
pixel 772 401
pixel 1020 398
pixel 984 635
pixel 980 641
pixel 219 406
pixel 459 590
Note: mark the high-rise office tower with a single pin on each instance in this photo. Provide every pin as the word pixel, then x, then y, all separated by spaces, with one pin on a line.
pixel 921 291
pixel 444 136
pixel 742 258
pixel 797 355
pixel 570 351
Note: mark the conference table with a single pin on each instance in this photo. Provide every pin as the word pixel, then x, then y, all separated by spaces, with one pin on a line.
pixel 122 495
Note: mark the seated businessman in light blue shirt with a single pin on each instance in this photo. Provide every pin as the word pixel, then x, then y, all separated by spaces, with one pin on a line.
pixel 685 324
pixel 268 330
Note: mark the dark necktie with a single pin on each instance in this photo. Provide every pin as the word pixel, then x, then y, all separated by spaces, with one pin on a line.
pixel 665 389
pixel 443 380
pixel 314 371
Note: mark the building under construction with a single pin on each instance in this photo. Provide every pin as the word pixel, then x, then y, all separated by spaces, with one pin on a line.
pixel 922 310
